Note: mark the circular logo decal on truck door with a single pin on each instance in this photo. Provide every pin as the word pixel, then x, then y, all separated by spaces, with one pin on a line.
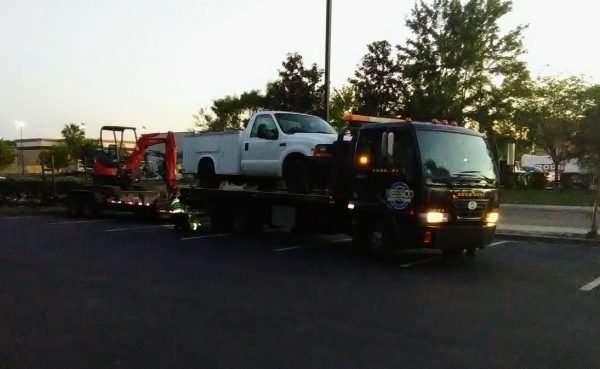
pixel 399 196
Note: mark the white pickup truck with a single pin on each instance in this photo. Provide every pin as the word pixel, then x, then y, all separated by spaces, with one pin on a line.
pixel 274 145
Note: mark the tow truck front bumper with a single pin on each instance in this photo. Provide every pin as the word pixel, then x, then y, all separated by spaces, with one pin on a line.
pixel 453 236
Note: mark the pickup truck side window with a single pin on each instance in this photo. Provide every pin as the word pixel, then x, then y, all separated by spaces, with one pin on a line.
pixel 264 127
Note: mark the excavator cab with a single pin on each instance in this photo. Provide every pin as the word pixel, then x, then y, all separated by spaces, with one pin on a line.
pixel 113 155
pixel 119 165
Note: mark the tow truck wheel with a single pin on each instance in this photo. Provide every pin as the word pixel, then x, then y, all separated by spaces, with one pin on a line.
pixel 374 238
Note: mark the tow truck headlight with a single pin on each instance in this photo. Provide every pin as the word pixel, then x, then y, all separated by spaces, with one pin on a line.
pixel 492 217
pixel 434 217
pixel 363 160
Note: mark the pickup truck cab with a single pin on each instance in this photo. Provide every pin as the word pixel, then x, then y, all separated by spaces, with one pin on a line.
pixel 274 145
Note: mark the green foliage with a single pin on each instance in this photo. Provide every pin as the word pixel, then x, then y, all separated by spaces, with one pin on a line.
pixel 78 146
pixel 377 82
pixel 298 88
pixel 7 154
pixel 458 65
pixel 552 113
pixel 586 143
pixel 60 152
pixel 343 101
pixel 230 112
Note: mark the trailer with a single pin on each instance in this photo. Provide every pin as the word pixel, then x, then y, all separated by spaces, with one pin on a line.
pixel 392 184
pixel 91 201
pixel 116 177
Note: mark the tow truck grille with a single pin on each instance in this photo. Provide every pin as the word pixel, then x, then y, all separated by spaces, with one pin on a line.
pixel 462 211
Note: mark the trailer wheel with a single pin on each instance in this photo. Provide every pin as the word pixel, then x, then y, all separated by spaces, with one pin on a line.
pixel 75 206
pixel 89 207
pixel 206 175
pixel 296 174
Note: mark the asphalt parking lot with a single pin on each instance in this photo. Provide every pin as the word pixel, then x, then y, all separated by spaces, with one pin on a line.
pixel 119 293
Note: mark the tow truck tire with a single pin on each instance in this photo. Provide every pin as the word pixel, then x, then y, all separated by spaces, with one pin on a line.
pixel 246 222
pixel 206 175
pixel 374 238
pixel 452 253
pixel 296 174
pixel 221 221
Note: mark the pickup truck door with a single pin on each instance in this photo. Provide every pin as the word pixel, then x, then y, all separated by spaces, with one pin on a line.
pixel 261 149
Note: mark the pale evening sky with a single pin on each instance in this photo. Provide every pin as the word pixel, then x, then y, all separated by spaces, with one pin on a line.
pixel 154 63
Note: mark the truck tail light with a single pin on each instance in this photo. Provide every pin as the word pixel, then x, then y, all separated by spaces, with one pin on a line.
pixel 322 151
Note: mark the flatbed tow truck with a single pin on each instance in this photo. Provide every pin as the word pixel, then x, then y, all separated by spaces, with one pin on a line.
pixel 393 184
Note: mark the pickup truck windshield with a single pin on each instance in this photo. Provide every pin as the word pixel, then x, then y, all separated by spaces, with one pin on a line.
pixel 297 123
pixel 455 156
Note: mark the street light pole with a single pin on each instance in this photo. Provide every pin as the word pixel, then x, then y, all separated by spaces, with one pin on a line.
pixel 327 58
pixel 22 154
pixel 20 125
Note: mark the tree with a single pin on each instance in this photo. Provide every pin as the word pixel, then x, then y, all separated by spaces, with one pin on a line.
pixel 552 113
pixel 459 65
pixel 7 154
pixel 377 82
pixel 586 149
pixel 61 154
pixel 343 101
pixel 230 112
pixel 298 88
pixel 78 146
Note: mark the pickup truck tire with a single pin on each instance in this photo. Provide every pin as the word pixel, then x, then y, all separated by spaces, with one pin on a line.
pixel 296 174
pixel 206 175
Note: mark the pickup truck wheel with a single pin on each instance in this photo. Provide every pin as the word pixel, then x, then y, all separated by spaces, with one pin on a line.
pixel 296 174
pixel 206 174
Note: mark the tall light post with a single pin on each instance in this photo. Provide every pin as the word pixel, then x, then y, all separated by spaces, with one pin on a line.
pixel 327 58
pixel 20 126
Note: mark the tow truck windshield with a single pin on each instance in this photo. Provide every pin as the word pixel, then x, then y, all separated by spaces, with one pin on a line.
pixel 449 157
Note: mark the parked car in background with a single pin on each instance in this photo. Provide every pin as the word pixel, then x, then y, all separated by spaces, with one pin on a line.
pixel 536 177
pixel 570 173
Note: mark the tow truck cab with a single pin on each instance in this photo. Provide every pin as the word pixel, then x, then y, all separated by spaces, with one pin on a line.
pixel 422 185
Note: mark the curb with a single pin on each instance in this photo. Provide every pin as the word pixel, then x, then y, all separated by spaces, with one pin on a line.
pixel 558 208
pixel 563 238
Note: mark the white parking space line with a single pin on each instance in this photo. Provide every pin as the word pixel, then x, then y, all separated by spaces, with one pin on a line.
pixel 291 248
pixel 79 221
pixel 498 243
pixel 205 236
pixel 136 228
pixel 422 261
pixel 590 286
